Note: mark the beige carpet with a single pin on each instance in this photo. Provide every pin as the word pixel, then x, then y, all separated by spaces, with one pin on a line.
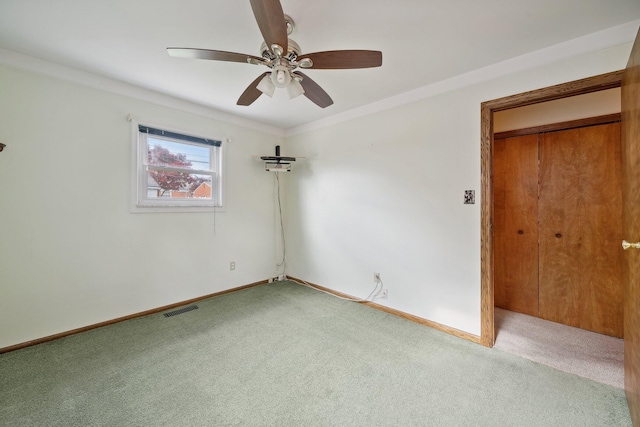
pixel 584 353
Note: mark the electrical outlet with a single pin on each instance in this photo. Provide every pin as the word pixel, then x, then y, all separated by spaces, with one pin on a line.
pixel 232 265
pixel 384 294
pixel 376 278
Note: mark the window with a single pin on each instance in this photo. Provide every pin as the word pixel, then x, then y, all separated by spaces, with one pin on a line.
pixel 176 170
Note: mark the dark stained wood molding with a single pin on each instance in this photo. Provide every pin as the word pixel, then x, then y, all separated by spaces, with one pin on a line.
pixel 122 319
pixel 434 325
pixel 564 90
pixel 572 124
pixel 487 323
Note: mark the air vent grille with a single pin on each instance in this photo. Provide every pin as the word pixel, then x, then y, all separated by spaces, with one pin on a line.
pixel 181 310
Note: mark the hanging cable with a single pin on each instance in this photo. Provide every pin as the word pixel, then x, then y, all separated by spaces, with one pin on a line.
pixel 285 262
pixel 372 296
pixel 282 237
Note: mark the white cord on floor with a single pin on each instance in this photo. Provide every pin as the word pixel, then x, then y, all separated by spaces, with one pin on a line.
pixel 285 262
pixel 372 296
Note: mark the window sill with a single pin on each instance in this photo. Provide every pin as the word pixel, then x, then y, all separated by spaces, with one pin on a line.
pixel 176 209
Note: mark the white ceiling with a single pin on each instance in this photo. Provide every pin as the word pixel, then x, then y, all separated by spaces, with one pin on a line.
pixel 422 42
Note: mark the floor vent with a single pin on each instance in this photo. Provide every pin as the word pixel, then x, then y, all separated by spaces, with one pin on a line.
pixel 181 310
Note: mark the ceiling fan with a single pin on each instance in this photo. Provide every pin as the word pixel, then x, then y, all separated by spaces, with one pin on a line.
pixel 283 55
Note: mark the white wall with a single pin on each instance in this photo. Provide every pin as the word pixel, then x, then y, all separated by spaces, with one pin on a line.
pixel 378 193
pixel 71 253
pixel 384 193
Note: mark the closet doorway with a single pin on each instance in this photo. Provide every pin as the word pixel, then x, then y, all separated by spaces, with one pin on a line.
pixel 488 109
pixel 557 201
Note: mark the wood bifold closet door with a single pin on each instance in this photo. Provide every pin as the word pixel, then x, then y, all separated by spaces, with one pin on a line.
pixel 515 207
pixel 558 225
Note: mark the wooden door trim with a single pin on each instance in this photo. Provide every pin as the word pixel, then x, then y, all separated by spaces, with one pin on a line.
pixel 572 124
pixel 564 90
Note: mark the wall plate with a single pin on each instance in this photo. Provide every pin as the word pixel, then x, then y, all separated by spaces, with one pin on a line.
pixel 469 197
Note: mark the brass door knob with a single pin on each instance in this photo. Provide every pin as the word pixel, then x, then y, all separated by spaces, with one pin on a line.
pixel 626 245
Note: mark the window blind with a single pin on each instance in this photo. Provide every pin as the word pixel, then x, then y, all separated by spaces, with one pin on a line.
pixel 188 138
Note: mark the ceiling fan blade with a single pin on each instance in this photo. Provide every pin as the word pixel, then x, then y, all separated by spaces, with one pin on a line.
pixel 344 59
pixel 251 93
pixel 314 92
pixel 216 55
pixel 270 18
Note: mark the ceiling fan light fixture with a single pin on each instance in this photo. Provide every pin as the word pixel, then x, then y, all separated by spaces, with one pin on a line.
pixel 266 86
pixel 294 89
pixel 280 54
pixel 280 76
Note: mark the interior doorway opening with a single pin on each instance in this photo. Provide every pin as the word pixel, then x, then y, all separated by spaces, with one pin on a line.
pixel 557 201
pixel 544 119
pixel 488 110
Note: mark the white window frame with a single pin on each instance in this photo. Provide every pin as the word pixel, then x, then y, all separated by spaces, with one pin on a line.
pixel 139 200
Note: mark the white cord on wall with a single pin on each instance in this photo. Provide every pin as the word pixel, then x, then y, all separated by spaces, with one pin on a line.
pixel 282 239
pixel 285 262
pixel 214 219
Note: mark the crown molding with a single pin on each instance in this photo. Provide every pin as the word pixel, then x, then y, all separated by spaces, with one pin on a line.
pixel 613 36
pixel 84 78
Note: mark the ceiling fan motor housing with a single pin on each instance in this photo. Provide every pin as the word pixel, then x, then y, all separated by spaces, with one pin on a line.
pixel 293 51
pixel 280 54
